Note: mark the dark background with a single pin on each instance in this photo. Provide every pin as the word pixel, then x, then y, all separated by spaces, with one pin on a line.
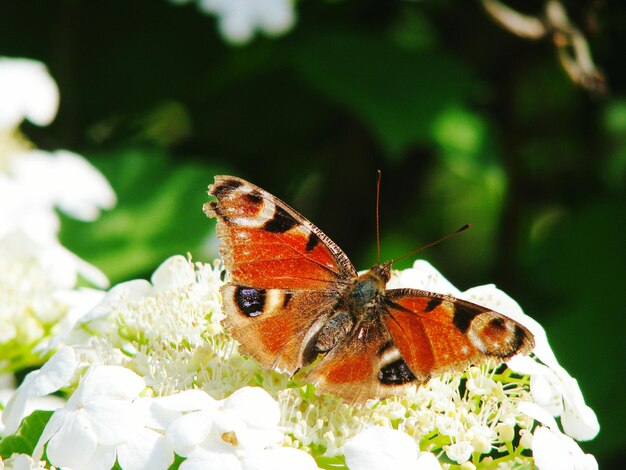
pixel 467 122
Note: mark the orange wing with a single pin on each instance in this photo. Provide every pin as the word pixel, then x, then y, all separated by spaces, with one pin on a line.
pixel 267 244
pixel 438 333
pixel 357 367
pixel 286 276
pixel 411 337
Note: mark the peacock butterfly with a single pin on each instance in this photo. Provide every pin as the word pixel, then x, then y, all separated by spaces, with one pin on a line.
pixel 294 297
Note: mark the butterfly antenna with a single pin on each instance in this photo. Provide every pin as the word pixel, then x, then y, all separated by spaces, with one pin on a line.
pixel 459 230
pixel 378 176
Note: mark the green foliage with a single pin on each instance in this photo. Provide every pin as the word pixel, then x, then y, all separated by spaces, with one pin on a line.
pixel 26 437
pixel 582 261
pixel 381 84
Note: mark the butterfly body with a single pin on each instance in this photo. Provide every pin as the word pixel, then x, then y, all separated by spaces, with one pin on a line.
pixel 294 299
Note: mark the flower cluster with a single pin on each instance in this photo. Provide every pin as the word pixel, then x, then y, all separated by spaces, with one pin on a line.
pixel 155 376
pixel 239 20
pixel 38 275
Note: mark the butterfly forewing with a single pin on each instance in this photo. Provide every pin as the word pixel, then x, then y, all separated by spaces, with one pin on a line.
pixel 267 244
pixel 285 274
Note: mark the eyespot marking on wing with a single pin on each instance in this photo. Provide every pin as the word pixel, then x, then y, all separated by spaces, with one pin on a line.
pixel 395 373
pixel 250 301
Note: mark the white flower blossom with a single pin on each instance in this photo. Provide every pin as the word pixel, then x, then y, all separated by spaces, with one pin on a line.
pixel 22 462
pixel 38 275
pixel 36 292
pixel 553 449
pixel 240 432
pixel 239 20
pixel 97 418
pixel 381 447
pixel 168 331
pixel 54 374
pixel 27 91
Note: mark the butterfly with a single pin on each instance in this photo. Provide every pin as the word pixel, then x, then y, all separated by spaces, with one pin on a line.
pixel 294 299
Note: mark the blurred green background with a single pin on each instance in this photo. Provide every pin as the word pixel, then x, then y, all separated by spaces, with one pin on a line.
pixel 467 122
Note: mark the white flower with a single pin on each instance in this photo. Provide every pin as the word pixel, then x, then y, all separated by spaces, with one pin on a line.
pixel 240 19
pixel 36 182
pixel 26 91
pixel 155 327
pixel 32 185
pixel 553 449
pixel 97 417
pixel 147 448
pixel 422 276
pixel 168 331
pixel 460 452
pixel 54 374
pixel 22 462
pixel 239 432
pixel 36 291
pixel 380 447
pixel 556 391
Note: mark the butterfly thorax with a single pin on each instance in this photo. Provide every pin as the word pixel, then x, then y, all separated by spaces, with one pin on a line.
pixel 361 299
pixel 368 288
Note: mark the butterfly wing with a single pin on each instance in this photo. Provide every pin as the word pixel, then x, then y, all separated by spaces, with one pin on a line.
pixel 353 369
pixel 285 274
pixel 412 336
pixel 437 333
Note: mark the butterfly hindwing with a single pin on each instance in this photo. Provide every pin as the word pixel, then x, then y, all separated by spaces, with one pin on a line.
pixel 275 326
pixel 366 365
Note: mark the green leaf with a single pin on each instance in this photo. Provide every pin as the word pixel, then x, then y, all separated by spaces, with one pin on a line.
pixel 397 93
pixel 26 437
pixel 177 461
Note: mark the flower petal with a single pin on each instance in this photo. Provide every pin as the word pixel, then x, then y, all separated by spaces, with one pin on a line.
pixel 427 461
pixel 146 450
pixel 255 406
pixel 549 452
pixel 54 374
pixel 188 431
pixel 279 458
pixel 379 447
pixel 14 410
pixel 460 452
pixel 201 459
pixel 112 421
pixel 26 91
pixel 102 459
pixel 422 276
pixel 109 382
pixel 174 273
pixel 74 444
pixel 189 400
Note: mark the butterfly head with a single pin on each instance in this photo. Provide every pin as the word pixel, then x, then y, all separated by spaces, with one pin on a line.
pixel 381 272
